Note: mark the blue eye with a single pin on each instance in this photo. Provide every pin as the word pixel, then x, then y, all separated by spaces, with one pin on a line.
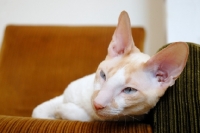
pixel 129 90
pixel 103 75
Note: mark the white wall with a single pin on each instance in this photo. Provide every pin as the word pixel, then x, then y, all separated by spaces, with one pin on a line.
pixel 147 13
pixel 183 20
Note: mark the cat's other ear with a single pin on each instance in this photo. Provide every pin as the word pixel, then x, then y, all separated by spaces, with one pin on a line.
pixel 122 41
pixel 168 64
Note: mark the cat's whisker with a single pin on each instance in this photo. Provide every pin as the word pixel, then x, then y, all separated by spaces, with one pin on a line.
pixel 118 117
pixel 134 118
pixel 124 124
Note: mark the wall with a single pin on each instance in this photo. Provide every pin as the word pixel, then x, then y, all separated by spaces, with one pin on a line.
pixel 183 20
pixel 147 13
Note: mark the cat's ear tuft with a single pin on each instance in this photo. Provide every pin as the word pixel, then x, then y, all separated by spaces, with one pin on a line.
pixel 122 41
pixel 168 64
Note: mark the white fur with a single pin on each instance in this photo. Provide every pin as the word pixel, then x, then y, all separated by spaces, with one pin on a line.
pixel 74 104
pixel 47 109
pixel 111 89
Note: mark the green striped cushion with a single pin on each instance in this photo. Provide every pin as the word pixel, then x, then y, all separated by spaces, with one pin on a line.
pixel 178 111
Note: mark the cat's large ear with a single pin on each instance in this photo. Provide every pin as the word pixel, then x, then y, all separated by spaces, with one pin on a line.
pixel 122 41
pixel 168 64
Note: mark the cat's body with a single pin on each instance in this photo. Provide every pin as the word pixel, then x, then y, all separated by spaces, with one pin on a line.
pixel 77 96
pixel 126 83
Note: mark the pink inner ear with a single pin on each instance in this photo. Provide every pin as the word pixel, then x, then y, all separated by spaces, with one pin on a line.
pixel 161 76
pixel 122 40
pixel 169 62
pixel 115 50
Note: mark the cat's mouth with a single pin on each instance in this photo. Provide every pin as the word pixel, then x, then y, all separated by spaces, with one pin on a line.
pixel 102 113
pixel 108 114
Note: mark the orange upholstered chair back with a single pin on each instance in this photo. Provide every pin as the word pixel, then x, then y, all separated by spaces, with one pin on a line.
pixel 38 62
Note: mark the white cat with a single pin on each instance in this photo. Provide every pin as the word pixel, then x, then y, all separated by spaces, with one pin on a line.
pixel 126 83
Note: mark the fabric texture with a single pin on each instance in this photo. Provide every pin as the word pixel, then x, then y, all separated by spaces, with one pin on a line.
pixel 38 62
pixel 178 111
pixel 30 125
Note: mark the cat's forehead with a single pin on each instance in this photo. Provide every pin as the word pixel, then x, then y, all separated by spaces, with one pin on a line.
pixel 131 63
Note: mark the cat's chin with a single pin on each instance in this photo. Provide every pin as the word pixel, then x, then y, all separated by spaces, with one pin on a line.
pixel 108 117
pixel 103 116
pixel 119 118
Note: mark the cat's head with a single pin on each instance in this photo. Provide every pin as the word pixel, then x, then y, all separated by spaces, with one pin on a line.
pixel 129 82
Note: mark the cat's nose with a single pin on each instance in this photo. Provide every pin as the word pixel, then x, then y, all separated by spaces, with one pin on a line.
pixel 98 106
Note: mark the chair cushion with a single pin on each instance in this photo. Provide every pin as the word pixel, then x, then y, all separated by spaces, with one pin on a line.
pixel 178 111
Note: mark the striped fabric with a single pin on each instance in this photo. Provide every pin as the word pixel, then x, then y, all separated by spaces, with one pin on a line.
pixel 179 109
pixel 30 125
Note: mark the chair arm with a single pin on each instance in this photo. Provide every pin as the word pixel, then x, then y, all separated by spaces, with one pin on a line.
pixel 32 125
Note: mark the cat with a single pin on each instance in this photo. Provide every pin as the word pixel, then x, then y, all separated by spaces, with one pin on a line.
pixel 127 83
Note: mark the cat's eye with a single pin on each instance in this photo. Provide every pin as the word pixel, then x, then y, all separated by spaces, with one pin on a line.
pixel 129 90
pixel 103 75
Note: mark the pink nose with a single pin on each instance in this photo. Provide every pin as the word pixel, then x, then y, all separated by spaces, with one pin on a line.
pixel 98 106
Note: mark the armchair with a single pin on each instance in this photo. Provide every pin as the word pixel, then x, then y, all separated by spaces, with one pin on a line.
pixel 38 62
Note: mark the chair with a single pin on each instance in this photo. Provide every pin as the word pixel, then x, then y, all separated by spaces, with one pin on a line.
pixel 38 62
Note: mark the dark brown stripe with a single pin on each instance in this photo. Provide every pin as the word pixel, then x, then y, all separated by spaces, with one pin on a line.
pixel 178 111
